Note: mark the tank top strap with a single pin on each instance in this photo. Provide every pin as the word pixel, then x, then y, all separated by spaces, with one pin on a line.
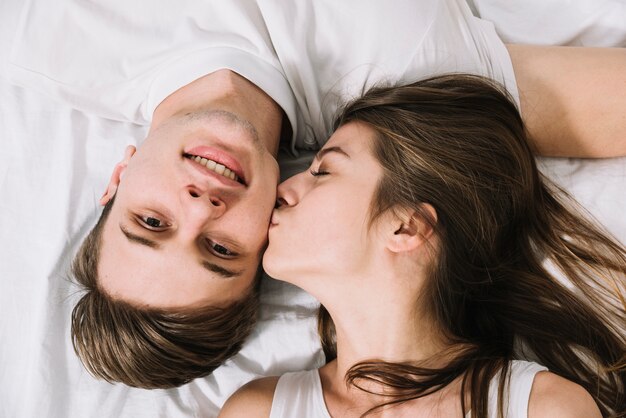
pixel 522 377
pixel 516 391
pixel 299 394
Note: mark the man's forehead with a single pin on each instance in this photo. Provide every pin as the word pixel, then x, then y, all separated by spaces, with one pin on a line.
pixel 145 277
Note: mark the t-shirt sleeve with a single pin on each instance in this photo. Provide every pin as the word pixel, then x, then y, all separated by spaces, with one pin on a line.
pixel 332 52
pixel 120 59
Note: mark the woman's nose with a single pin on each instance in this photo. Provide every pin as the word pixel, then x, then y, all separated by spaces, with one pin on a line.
pixel 290 191
pixel 280 202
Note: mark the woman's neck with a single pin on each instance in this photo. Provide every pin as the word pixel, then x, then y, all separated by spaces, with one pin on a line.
pixel 385 318
pixel 396 333
pixel 386 315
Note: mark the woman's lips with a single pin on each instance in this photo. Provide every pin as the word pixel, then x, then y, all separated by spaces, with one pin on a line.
pixel 220 157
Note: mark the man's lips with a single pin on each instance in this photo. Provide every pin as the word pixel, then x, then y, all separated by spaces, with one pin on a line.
pixel 220 157
pixel 205 171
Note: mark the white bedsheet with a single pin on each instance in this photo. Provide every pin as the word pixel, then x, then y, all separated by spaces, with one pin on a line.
pixel 552 22
pixel 54 164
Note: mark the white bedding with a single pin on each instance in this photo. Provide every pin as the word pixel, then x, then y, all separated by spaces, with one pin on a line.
pixel 552 22
pixel 54 164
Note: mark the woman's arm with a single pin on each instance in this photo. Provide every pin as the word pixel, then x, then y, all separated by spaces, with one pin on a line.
pixel 554 396
pixel 253 400
pixel 573 99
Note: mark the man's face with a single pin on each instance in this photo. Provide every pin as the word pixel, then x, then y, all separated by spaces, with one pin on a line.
pixel 185 230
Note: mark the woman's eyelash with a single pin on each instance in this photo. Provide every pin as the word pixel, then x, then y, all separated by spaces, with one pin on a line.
pixel 318 173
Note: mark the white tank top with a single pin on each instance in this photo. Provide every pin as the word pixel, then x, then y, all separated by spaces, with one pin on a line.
pixel 299 394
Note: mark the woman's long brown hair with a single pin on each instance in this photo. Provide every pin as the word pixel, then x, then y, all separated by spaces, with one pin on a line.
pixel 520 271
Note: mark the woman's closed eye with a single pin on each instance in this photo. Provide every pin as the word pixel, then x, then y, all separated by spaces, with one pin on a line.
pixel 318 172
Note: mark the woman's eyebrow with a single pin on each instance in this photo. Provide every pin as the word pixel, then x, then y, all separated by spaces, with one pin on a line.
pixel 327 150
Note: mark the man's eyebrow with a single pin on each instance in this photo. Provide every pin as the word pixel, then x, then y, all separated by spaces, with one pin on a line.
pixel 138 239
pixel 225 273
pixel 326 150
pixel 215 268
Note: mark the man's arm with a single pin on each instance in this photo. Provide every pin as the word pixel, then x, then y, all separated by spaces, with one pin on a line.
pixel 573 99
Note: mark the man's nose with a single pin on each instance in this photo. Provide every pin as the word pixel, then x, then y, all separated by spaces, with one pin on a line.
pixel 203 204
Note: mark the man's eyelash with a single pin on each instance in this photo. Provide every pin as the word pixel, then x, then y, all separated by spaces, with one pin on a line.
pixel 220 253
pixel 152 222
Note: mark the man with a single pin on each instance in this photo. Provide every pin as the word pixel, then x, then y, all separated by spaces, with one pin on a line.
pixel 171 267
pixel 175 260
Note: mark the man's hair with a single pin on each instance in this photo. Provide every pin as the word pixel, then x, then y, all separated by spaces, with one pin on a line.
pixel 147 347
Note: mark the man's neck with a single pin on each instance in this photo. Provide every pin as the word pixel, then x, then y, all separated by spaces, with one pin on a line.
pixel 226 90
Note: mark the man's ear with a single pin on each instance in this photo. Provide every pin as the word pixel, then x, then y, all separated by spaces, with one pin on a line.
pixel 116 176
pixel 412 228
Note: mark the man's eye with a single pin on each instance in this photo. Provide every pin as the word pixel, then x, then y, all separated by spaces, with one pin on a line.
pixel 152 222
pixel 220 249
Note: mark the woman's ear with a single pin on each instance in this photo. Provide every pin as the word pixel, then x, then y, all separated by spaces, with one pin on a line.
pixel 411 228
pixel 116 176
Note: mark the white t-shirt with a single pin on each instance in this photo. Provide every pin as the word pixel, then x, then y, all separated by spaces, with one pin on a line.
pixel 332 51
pixel 120 59
pixel 299 394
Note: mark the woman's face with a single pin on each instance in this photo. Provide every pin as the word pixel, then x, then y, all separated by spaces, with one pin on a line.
pixel 321 227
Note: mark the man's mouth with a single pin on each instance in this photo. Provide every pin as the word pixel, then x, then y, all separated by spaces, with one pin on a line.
pixel 216 167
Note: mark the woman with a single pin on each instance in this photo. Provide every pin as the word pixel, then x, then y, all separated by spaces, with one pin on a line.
pixel 429 237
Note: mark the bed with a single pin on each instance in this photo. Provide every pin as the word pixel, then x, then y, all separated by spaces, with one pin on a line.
pixel 54 164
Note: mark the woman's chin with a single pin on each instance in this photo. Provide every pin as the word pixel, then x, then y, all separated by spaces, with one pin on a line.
pixel 281 268
pixel 273 265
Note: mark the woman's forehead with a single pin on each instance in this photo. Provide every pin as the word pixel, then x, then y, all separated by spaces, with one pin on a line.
pixel 353 136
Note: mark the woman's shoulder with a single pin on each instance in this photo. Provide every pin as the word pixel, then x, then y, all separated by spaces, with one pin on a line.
pixel 253 400
pixel 554 396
